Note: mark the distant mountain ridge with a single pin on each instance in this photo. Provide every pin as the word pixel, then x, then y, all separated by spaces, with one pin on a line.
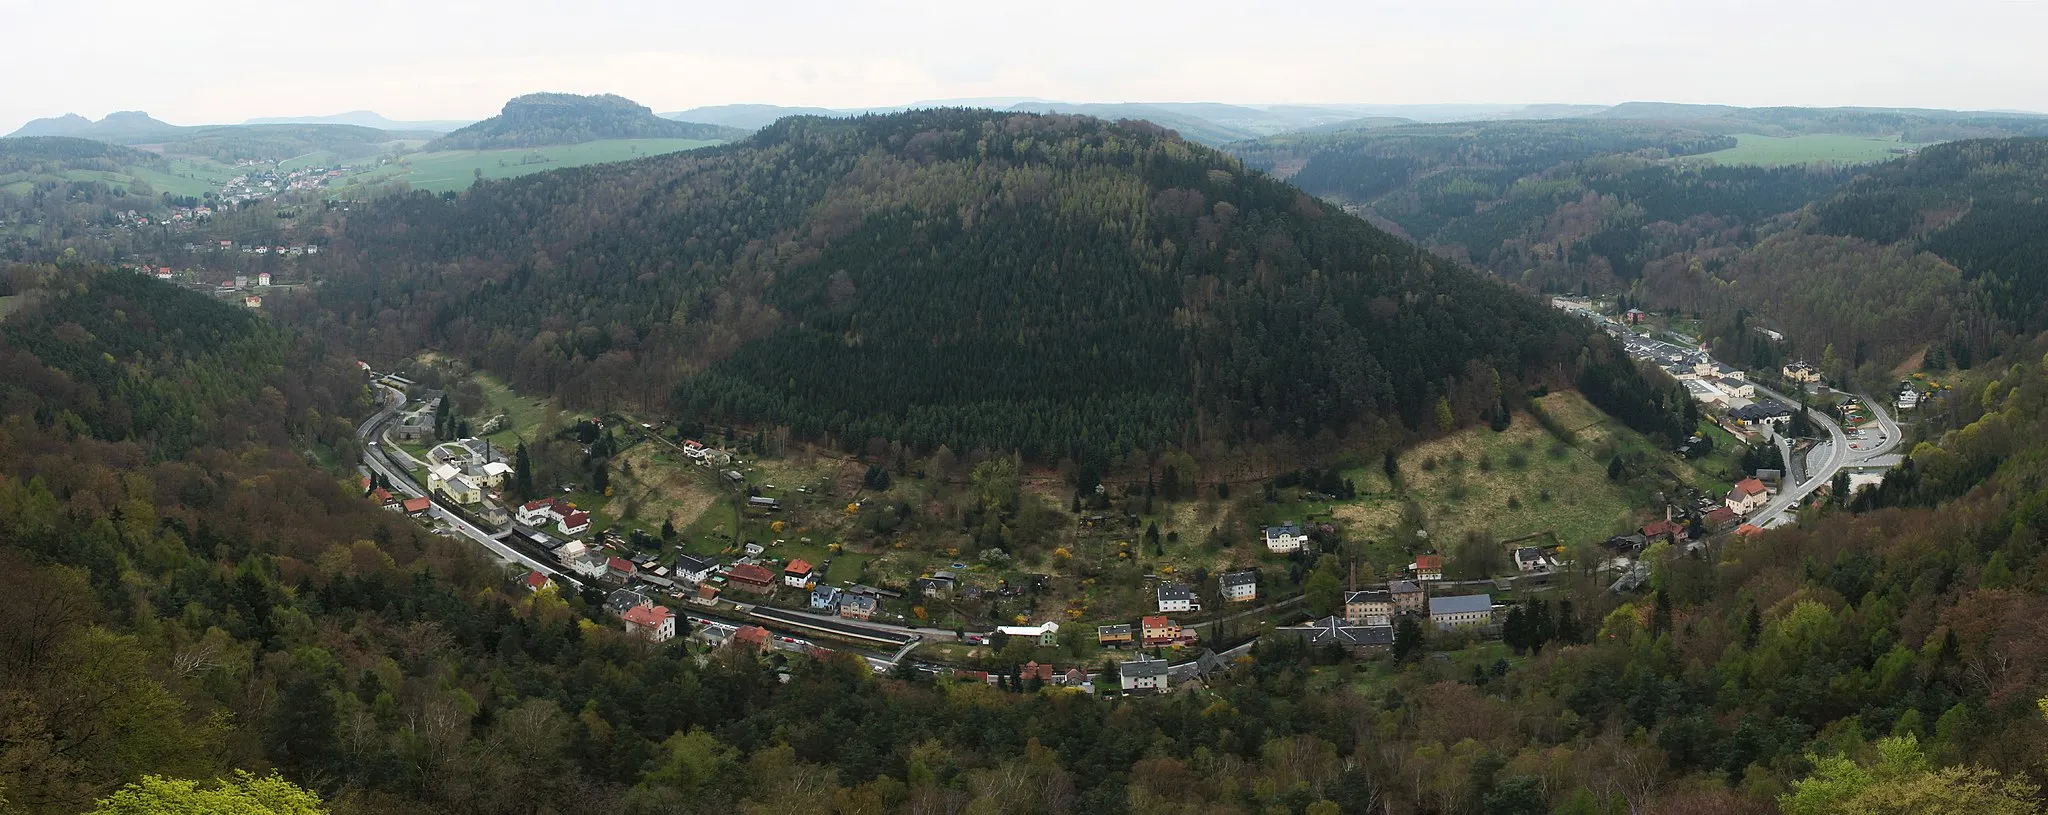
pixel 540 119
pixel 127 126
pixel 365 118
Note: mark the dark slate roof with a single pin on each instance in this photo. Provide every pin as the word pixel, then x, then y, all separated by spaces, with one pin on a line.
pixel 1334 631
pixel 1463 604
pixel 1243 578
pixel 1174 591
pixel 1144 667
pixel 1369 596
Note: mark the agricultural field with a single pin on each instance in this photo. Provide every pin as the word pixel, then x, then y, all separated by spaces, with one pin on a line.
pixel 455 170
pixel 1772 151
pixel 193 177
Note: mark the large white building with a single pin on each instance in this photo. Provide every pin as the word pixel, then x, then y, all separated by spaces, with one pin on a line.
pixel 1285 538
pixel 1446 613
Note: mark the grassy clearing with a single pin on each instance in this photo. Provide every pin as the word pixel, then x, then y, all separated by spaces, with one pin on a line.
pixel 455 170
pixel 1772 151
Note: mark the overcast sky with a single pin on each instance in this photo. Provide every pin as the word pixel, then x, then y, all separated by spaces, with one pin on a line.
pixel 211 61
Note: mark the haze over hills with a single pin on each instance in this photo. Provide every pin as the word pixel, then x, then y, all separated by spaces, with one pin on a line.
pixel 365 118
pixel 539 119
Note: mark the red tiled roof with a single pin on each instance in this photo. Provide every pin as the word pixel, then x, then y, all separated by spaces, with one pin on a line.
pixel 1750 486
pixel 797 566
pixel 577 518
pixel 381 495
pixel 649 616
pixel 1720 515
pixel 753 634
pixel 619 564
pixel 750 573
pixel 1429 562
pixel 1155 621
pixel 417 504
pixel 1746 530
pixel 538 503
pixel 536 580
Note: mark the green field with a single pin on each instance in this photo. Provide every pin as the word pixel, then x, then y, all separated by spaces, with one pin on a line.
pixel 455 170
pixel 193 177
pixel 1771 151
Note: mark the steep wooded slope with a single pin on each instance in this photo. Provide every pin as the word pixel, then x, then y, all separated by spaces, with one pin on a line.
pixel 961 277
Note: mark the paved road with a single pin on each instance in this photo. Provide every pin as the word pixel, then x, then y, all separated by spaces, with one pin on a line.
pixel 1834 454
pixel 1831 451
pixel 375 458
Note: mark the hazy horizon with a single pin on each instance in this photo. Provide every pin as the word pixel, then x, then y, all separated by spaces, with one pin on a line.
pixel 224 62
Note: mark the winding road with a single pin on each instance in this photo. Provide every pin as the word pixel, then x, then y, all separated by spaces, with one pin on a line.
pixel 1838 455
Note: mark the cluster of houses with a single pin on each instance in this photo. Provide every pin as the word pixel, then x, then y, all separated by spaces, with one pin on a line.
pixel 1370 615
pixel 569 520
pixel 265 184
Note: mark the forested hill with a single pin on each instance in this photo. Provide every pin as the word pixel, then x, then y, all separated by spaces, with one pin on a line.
pixel 1941 252
pixel 976 279
pixel 539 119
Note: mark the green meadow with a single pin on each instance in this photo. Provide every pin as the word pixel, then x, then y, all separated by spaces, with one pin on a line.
pixel 1774 151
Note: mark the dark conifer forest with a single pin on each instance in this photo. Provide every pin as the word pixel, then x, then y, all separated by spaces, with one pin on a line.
pixel 1045 284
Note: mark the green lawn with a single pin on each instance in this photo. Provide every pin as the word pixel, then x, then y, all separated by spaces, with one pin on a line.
pixel 455 170
pixel 1774 151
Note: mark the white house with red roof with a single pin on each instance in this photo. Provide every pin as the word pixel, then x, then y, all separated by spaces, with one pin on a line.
pixel 538 513
pixel 574 522
pixel 1749 495
pixel 652 622
pixel 797 573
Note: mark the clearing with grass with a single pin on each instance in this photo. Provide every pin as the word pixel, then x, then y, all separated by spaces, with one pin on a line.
pixel 1777 151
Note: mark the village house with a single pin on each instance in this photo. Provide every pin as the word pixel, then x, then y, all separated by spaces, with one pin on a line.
pixel 1749 495
pixel 693 569
pixel 1531 560
pixel 1046 633
pixel 1428 567
pixel 1239 587
pixel 1736 387
pixel 938 584
pixel 1176 597
pixel 1718 518
pixel 751 637
pixel 537 513
pixel 581 560
pixel 621 601
pixel 574 522
pixel 751 577
pixel 1800 372
pixel 1285 538
pixel 1032 670
pixel 1374 607
pixel 651 622
pixel 856 606
pixel 825 598
pixel 415 506
pixel 1665 529
pixel 535 581
pixel 797 574
pixel 450 481
pixel 619 568
pixel 1409 596
pixel 1143 675
pixel 1113 636
pixel 1447 613
pixel 1158 630
pixel 1761 414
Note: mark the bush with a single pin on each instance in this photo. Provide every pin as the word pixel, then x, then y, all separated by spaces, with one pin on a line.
pixel 1518 460
pixel 1429 464
pixel 1514 503
pixel 1558 449
pixel 1486 464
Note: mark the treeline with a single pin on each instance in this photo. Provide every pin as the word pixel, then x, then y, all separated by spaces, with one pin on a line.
pixel 979 280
